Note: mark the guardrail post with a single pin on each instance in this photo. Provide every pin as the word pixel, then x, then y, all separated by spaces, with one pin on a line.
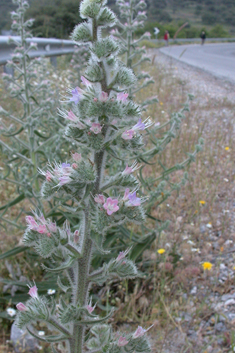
pixel 8 70
pixel 53 60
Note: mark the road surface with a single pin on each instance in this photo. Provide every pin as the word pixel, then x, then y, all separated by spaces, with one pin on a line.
pixel 217 59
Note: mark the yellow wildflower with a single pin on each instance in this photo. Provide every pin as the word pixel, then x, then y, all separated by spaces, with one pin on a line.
pixel 202 202
pixel 226 148
pixel 161 251
pixel 207 266
pixel 161 103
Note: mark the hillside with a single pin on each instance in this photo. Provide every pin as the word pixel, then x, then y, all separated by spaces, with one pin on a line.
pixel 56 18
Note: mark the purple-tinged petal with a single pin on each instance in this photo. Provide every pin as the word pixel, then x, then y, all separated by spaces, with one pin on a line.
pixel 100 199
pixel 128 134
pixel 96 128
pixel 122 341
pixel 111 206
pixel 21 307
pixel 33 292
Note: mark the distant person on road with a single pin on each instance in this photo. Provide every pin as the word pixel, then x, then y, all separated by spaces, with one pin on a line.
pixel 166 37
pixel 203 37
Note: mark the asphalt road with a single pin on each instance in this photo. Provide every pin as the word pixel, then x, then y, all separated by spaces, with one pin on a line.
pixel 217 59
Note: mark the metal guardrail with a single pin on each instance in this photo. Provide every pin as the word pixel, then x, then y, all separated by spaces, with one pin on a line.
pixel 56 47
pixel 194 40
pixel 46 47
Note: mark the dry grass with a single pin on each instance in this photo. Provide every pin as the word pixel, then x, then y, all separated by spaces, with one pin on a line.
pixel 160 298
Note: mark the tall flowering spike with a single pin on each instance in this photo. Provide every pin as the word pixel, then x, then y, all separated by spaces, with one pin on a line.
pixel 93 197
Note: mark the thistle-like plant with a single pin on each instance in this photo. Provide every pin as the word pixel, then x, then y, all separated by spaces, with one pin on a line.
pixel 133 15
pixel 104 125
pixel 30 135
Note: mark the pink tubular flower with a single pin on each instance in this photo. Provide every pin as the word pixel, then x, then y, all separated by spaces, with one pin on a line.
pixel 134 200
pixel 90 308
pixel 127 170
pixel 139 332
pixel 96 128
pixel 31 222
pixel 139 126
pixel 33 292
pixel 76 236
pixel 77 157
pixel 85 81
pixel 48 176
pixel 122 341
pixel 103 97
pixel 21 307
pixel 52 227
pixel 121 256
pixel 71 116
pixel 65 179
pixel 99 199
pixel 42 229
pixel 128 134
pixel 122 97
pixel 76 95
pixel 95 99
pixel 126 195
pixel 74 166
pixel 111 206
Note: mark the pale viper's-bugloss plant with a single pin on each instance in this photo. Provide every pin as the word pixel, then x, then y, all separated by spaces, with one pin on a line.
pixel 103 121
pixel 133 16
pixel 105 125
pixel 78 64
pixel 29 135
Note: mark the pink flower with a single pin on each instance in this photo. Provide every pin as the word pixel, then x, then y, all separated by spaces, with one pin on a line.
pixel 96 128
pixel 128 170
pixel 21 307
pixel 65 179
pixel 103 96
pixel 122 96
pixel 139 332
pixel 76 157
pixel 95 99
pixel 42 229
pixel 139 126
pixel 148 34
pixel 125 197
pixel 52 227
pixel 90 308
pixel 85 81
pixel 128 134
pixel 134 200
pixel 100 199
pixel 76 236
pixel 31 222
pixel 33 292
pixel 71 116
pixel 122 341
pixel 74 166
pixel 76 95
pixel 48 176
pixel 111 206
pixel 121 256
